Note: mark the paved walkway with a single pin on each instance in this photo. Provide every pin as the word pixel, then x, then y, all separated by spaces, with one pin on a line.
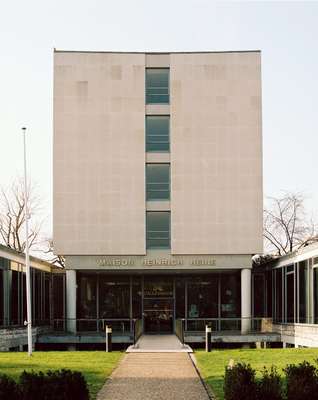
pixel 159 343
pixel 154 376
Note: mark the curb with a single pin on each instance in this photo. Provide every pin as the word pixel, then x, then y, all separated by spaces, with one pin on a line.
pixel 207 388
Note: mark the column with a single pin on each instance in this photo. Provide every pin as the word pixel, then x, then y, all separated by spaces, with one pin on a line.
pixel 71 300
pixel 246 284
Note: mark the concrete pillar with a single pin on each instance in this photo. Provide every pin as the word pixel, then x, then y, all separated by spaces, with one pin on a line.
pixel 246 300
pixel 71 300
pixel 284 345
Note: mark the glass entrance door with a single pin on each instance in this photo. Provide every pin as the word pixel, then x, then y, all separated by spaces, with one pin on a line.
pixel 158 315
pixel 158 304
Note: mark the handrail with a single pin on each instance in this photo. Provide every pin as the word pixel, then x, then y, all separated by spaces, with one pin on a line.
pixel 248 324
pixel 180 330
pixel 137 330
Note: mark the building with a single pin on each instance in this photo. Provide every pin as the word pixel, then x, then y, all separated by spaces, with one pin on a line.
pixel 47 283
pixel 286 290
pixel 157 187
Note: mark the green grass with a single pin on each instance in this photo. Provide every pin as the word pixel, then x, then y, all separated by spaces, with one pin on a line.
pixel 212 365
pixel 96 366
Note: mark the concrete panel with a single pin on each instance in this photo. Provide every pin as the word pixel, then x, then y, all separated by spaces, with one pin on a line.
pixel 216 153
pixel 99 153
pixel 157 109
pixel 157 60
pixel 158 157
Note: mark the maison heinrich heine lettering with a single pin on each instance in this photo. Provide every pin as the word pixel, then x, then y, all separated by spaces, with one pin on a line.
pixel 124 262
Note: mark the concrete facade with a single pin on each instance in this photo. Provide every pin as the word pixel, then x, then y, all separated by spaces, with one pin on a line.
pixel 215 172
pixel 215 155
pixel 99 153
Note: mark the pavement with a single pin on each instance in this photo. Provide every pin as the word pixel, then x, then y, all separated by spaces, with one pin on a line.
pixel 159 344
pixel 154 376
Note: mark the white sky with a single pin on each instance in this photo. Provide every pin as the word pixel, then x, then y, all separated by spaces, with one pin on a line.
pixel 287 34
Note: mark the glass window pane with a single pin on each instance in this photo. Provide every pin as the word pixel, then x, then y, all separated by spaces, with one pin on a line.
pixel 157 133
pixel 158 181
pixel 86 296
pixel 259 295
pixel 136 297
pixel 203 297
pixel 157 85
pixel 114 297
pixel 278 295
pixel 302 291
pixel 158 230
pixel 180 298
pixel 315 272
pixel 290 297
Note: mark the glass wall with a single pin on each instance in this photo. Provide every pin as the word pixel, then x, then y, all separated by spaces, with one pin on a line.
pixel 114 297
pixel 302 291
pixel 158 300
pixel 203 297
pixel 259 300
pixel 13 294
pixel 295 292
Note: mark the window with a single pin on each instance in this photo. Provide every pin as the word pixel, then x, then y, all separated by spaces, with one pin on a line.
pixel 302 288
pixel 157 85
pixel 158 181
pixel 158 230
pixel 157 133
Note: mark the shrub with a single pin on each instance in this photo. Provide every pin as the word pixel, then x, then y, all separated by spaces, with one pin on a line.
pixel 67 385
pixel 270 386
pixel 55 385
pixel 9 389
pixel 33 385
pixel 239 383
pixel 301 381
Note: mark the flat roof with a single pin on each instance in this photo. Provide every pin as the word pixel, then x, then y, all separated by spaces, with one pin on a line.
pixel 33 260
pixel 157 52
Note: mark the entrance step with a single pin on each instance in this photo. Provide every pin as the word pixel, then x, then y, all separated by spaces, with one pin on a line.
pixel 159 344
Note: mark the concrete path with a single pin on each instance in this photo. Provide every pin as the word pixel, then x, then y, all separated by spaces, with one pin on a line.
pixel 154 376
pixel 160 344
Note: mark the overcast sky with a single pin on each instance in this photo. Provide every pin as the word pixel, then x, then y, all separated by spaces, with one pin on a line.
pixel 287 34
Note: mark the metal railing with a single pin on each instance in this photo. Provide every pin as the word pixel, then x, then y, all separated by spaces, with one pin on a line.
pixel 137 329
pixel 118 325
pixel 248 325
pixel 180 329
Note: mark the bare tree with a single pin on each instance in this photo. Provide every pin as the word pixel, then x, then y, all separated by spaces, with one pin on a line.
pixel 58 260
pixel 286 225
pixel 12 216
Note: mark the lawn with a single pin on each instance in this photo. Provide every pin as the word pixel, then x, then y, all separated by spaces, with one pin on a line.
pixel 96 366
pixel 212 365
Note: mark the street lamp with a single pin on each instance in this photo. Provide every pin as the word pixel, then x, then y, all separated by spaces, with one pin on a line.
pixel 28 322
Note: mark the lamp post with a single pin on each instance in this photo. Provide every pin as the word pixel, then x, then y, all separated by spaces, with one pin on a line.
pixel 27 258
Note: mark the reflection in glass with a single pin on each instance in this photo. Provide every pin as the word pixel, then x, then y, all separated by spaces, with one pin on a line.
pixel 158 229
pixel 302 292
pixel 203 297
pixel 114 297
pixel 157 85
pixel 157 133
pixel 158 181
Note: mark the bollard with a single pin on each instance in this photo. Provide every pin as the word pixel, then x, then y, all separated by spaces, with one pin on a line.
pixel 108 339
pixel 208 338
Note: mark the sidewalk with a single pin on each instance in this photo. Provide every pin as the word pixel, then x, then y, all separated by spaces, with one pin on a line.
pixel 154 376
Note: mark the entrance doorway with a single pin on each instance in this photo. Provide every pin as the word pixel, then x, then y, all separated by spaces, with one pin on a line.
pixel 158 315
pixel 158 305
